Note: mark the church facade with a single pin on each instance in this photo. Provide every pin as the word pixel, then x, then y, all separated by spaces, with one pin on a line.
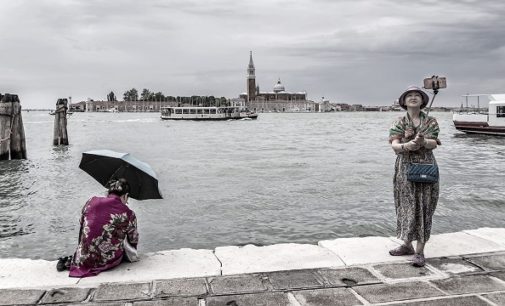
pixel 277 100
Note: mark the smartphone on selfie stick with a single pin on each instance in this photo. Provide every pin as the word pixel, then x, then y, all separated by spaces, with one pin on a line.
pixel 435 83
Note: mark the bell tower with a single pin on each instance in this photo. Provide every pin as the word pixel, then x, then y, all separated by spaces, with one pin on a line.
pixel 251 80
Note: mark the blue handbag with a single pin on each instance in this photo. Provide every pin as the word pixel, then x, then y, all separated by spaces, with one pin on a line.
pixel 422 173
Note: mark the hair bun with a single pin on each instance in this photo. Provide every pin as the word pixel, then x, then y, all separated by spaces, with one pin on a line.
pixel 118 186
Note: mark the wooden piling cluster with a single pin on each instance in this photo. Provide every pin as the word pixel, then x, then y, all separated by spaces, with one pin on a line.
pixel 12 133
pixel 60 123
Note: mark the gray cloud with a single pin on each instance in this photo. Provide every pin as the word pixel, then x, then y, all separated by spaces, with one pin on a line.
pixel 349 51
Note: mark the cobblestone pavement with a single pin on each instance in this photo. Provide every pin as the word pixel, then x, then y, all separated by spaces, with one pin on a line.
pixel 462 280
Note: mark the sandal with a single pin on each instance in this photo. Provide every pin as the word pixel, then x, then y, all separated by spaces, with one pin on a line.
pixel 402 250
pixel 418 260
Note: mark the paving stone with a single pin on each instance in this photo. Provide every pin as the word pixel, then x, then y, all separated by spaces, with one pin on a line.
pixel 247 283
pixel 402 270
pixel 397 292
pixel 118 291
pixel 65 295
pixel 257 299
pixel 19 297
pixel 497 298
pixel 451 301
pixel 180 287
pixel 296 279
pixel 348 276
pixel 453 266
pixel 469 284
pixel 330 296
pixel 489 263
pixel 173 301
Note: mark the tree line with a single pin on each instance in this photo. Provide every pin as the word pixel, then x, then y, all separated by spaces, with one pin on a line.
pixel 147 95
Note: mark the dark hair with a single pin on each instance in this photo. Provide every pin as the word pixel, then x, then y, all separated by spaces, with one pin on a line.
pixel 118 186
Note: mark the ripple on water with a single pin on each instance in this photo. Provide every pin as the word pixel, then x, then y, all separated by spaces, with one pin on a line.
pixel 283 178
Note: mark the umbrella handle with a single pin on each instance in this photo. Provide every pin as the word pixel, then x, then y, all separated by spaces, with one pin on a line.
pixel 114 175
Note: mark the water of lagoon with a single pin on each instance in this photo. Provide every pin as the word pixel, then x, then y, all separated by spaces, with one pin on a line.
pixel 295 178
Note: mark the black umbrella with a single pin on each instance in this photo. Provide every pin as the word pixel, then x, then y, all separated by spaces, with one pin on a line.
pixel 104 165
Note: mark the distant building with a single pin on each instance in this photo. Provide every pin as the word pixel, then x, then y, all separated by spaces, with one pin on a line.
pixel 344 107
pixel 372 108
pixel 325 106
pixel 357 107
pixel 119 106
pixel 78 107
pixel 277 100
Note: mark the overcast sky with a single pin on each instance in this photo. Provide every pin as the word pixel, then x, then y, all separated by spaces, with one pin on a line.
pixel 346 51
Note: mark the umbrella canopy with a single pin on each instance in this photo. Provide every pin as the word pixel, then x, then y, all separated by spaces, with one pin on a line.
pixel 104 165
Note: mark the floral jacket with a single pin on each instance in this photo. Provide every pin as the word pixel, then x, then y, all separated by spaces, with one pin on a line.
pixel 105 223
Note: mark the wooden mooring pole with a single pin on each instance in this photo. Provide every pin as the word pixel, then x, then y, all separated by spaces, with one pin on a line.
pixel 12 132
pixel 60 123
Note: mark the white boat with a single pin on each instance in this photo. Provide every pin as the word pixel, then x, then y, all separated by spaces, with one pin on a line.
pixel 206 113
pixel 491 122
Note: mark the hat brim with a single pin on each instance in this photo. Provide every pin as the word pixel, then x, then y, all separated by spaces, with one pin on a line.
pixel 424 95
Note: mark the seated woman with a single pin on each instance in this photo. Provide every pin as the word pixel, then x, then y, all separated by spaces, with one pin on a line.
pixel 108 227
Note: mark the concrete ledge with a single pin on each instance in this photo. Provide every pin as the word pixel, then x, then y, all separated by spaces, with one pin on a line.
pixel 28 273
pixel 363 250
pixel 190 263
pixel 277 257
pixel 460 243
pixel 496 235
pixel 183 263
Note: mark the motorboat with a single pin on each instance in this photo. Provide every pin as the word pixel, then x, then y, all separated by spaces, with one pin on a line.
pixel 206 113
pixel 476 121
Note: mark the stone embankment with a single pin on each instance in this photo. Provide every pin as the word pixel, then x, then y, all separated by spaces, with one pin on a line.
pixel 463 268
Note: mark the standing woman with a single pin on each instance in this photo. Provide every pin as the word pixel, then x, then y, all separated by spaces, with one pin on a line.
pixel 413 138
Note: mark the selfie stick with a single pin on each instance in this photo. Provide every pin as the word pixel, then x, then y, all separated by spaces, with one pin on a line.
pixel 435 85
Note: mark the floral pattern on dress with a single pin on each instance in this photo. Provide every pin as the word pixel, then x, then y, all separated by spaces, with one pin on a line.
pixel 415 203
pixel 404 129
pixel 105 224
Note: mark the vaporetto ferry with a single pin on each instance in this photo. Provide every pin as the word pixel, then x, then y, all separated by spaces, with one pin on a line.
pixel 206 113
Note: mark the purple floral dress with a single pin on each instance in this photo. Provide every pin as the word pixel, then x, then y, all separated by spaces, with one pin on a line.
pixel 105 223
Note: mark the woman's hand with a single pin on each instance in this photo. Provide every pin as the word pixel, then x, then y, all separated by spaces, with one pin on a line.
pixel 412 145
pixel 420 140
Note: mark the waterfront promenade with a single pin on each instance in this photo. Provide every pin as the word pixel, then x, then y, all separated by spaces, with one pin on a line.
pixel 463 268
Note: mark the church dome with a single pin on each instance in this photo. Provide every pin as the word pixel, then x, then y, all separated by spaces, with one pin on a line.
pixel 278 87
